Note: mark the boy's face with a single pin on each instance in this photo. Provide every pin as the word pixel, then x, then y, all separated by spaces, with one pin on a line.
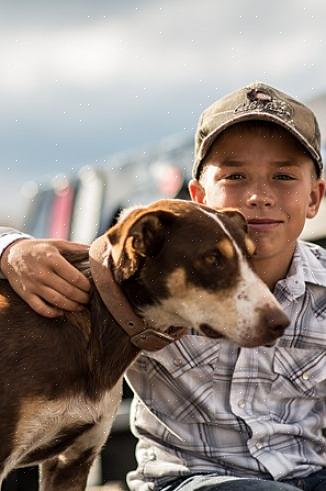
pixel 269 178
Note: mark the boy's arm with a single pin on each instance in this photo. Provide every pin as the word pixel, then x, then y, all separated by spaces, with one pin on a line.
pixel 37 271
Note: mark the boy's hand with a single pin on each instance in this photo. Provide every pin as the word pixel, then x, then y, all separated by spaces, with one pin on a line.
pixel 38 272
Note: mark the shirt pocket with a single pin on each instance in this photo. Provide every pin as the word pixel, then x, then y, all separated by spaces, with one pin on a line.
pixel 300 373
pixel 180 379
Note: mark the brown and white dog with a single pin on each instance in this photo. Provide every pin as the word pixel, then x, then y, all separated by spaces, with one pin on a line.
pixel 180 265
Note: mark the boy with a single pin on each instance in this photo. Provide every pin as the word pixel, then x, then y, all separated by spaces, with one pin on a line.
pixel 208 414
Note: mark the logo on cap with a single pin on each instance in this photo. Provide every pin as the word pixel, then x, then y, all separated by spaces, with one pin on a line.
pixel 262 101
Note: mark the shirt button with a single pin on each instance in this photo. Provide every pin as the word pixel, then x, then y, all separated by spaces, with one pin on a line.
pixel 305 376
pixel 242 403
pixel 259 445
pixel 178 362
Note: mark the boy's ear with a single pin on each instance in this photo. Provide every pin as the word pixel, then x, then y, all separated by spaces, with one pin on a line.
pixel 135 238
pixel 316 195
pixel 197 192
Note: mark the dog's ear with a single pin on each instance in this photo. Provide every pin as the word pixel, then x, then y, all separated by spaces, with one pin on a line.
pixel 148 233
pixel 240 221
pixel 140 235
pixel 237 217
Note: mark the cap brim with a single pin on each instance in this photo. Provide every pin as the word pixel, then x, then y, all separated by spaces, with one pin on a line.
pixel 261 116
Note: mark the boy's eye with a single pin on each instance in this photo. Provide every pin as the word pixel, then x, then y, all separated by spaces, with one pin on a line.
pixel 284 177
pixel 234 177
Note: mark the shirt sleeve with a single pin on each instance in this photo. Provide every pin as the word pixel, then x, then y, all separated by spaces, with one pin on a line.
pixel 7 237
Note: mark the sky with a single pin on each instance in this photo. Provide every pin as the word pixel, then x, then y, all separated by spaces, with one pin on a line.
pixel 83 80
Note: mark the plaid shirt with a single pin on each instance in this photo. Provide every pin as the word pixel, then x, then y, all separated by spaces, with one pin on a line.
pixel 205 405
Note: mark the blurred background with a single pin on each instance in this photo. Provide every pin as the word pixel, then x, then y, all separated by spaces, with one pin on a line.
pixel 101 84
pixel 99 101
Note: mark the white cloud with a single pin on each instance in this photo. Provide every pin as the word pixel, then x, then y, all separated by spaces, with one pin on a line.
pixel 78 57
pixel 165 46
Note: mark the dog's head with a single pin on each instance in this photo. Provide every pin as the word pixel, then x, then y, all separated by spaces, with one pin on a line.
pixel 189 264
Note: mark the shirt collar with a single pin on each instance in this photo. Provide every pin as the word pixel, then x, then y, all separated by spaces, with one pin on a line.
pixel 305 268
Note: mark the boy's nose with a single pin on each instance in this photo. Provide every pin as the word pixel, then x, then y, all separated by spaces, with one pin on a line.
pixel 261 198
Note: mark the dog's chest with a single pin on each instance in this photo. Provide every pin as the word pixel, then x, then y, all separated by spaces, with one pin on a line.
pixel 46 428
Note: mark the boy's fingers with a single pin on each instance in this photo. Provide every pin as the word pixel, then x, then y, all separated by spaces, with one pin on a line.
pixel 57 300
pixel 41 307
pixel 68 290
pixel 63 269
pixel 63 245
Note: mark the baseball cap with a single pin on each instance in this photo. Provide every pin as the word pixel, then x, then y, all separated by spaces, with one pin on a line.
pixel 257 101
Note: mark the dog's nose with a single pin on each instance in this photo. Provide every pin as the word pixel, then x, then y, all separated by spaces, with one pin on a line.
pixel 276 321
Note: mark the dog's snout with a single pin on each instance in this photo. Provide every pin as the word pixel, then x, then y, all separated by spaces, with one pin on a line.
pixel 276 321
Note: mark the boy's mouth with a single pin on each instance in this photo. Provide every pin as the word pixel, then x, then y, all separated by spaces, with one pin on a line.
pixel 263 224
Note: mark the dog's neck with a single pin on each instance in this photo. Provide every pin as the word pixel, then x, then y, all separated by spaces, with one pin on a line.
pixel 109 358
pixel 115 297
pixel 110 349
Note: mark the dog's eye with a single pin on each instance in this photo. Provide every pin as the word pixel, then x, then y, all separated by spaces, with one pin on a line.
pixel 212 259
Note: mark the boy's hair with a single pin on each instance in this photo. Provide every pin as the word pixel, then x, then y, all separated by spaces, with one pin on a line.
pixel 258 102
pixel 261 128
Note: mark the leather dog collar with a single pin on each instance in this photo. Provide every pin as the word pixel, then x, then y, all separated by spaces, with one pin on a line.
pixel 142 336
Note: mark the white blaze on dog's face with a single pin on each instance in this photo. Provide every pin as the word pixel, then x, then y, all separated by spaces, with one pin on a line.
pixel 193 263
